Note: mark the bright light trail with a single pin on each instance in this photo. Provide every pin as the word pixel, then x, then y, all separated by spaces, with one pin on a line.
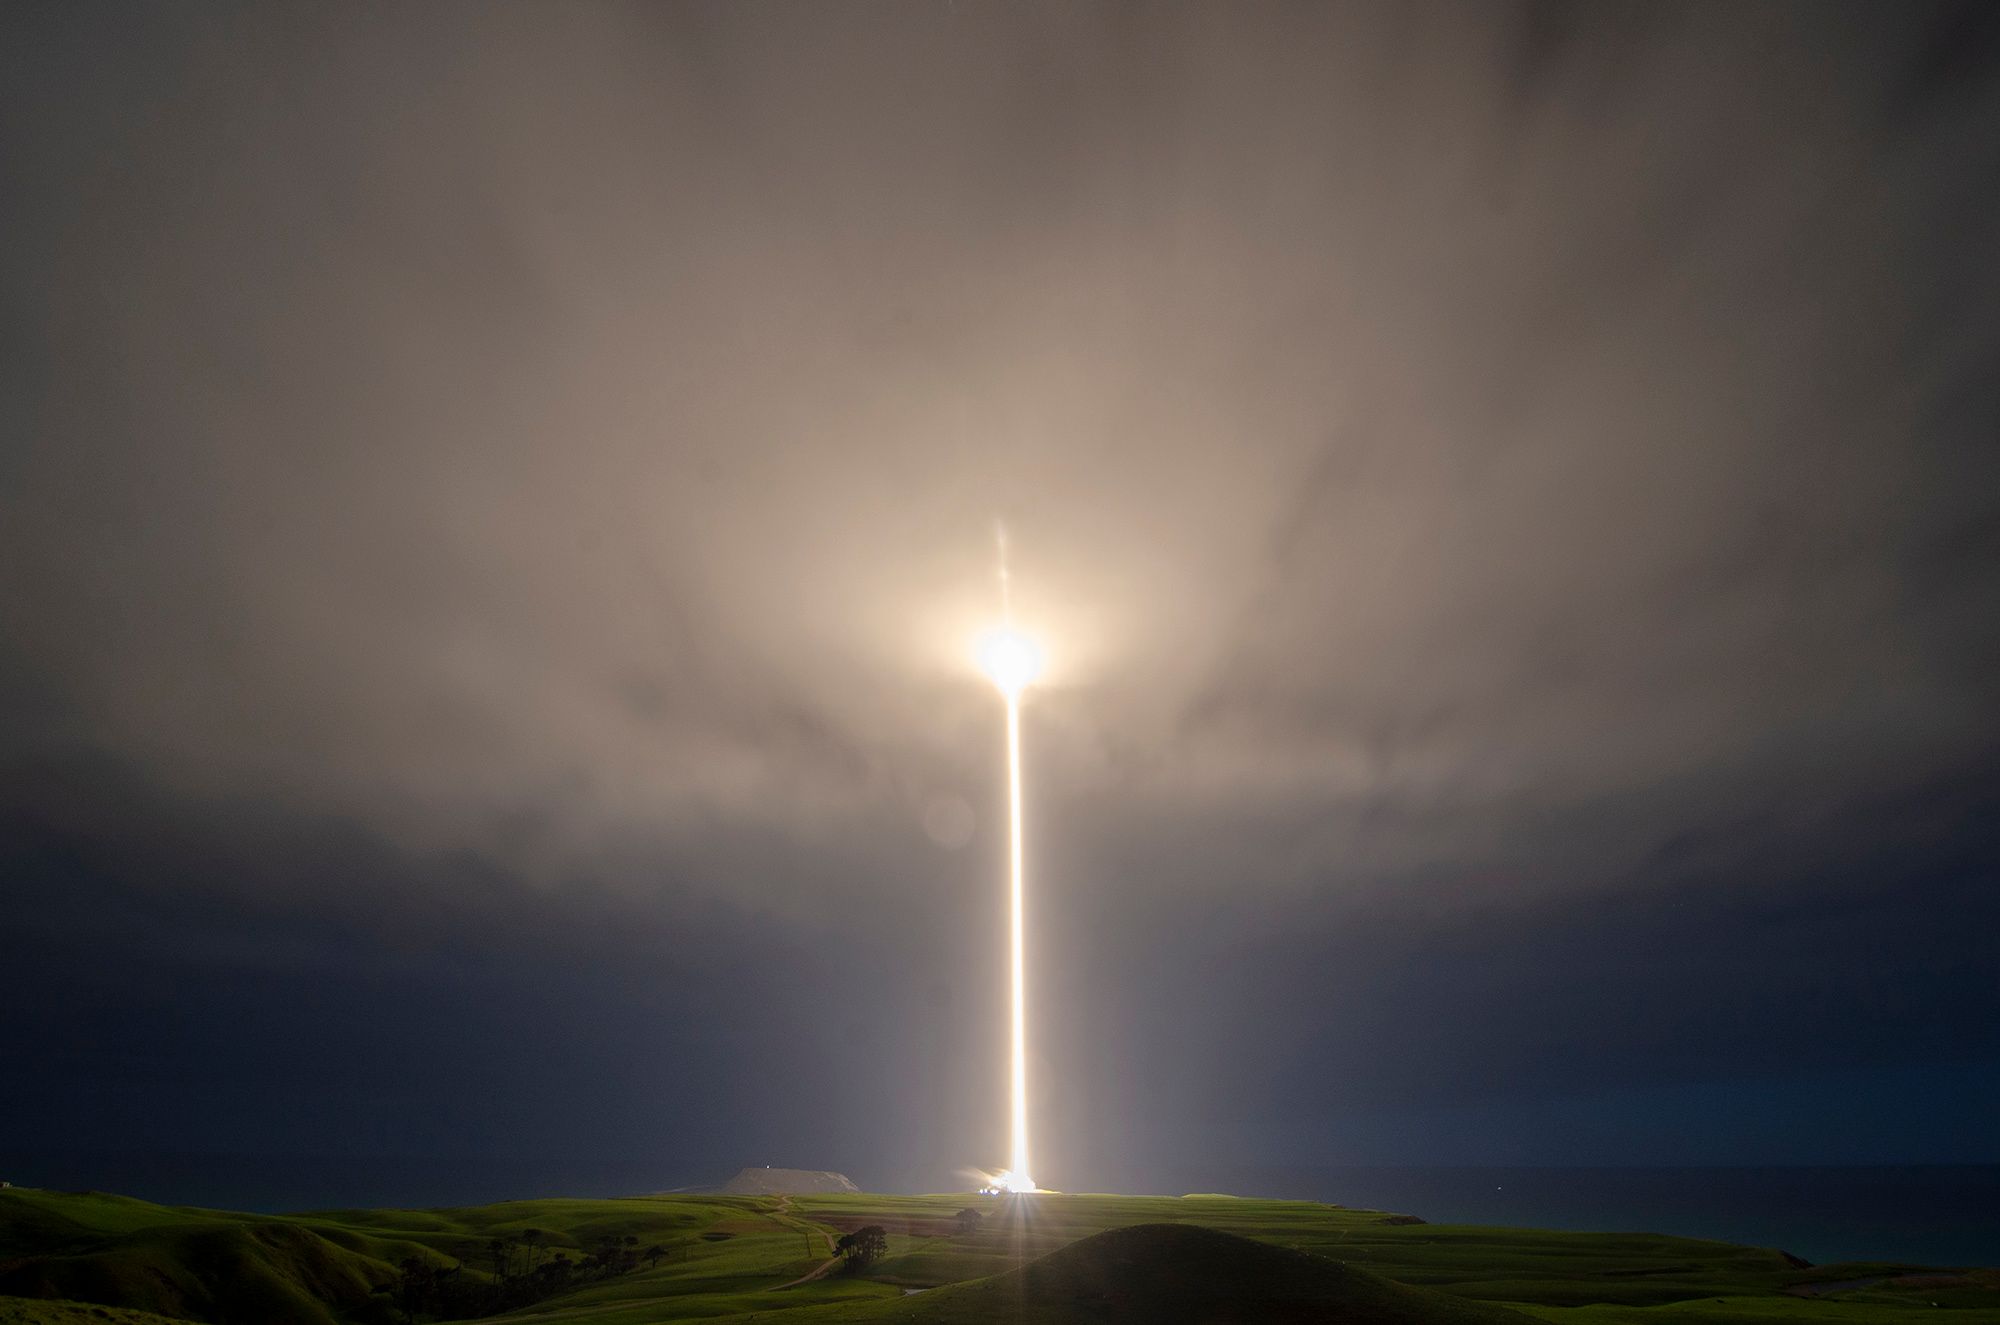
pixel 1018 1162
pixel 1012 661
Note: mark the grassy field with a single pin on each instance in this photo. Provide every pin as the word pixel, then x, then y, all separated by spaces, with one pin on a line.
pixel 64 1256
pixel 45 1311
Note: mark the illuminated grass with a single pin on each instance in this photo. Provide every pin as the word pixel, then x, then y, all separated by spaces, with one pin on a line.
pixel 1162 1274
pixel 731 1256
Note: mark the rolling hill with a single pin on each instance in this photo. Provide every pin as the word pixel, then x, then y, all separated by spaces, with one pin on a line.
pixel 68 1258
pixel 1183 1274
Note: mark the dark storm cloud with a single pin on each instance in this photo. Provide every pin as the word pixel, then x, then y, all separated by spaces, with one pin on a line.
pixel 524 477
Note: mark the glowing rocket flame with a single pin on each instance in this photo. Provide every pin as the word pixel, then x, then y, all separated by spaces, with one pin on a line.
pixel 988 1183
pixel 1016 1178
pixel 1011 660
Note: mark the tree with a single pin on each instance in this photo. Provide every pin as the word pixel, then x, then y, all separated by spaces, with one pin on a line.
pixel 531 1238
pixel 415 1285
pixel 497 1249
pixel 617 1255
pixel 863 1247
pixel 653 1254
pixel 968 1221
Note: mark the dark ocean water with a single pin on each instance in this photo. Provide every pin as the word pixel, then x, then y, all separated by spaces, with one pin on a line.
pixel 1931 1215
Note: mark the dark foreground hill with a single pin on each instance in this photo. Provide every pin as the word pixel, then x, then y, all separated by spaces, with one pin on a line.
pixel 1182 1274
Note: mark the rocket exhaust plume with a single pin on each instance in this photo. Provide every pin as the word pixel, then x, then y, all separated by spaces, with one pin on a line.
pixel 1012 661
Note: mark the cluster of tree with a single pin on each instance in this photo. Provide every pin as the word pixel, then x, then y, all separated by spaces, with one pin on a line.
pixel 863 1247
pixel 522 1269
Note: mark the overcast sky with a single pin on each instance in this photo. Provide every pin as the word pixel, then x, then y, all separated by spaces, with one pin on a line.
pixel 497 500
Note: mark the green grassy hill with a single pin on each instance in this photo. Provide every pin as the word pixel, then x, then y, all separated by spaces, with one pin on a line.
pixel 51 1311
pixel 195 1265
pixel 1180 1274
pixel 1497 1264
pixel 684 1257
